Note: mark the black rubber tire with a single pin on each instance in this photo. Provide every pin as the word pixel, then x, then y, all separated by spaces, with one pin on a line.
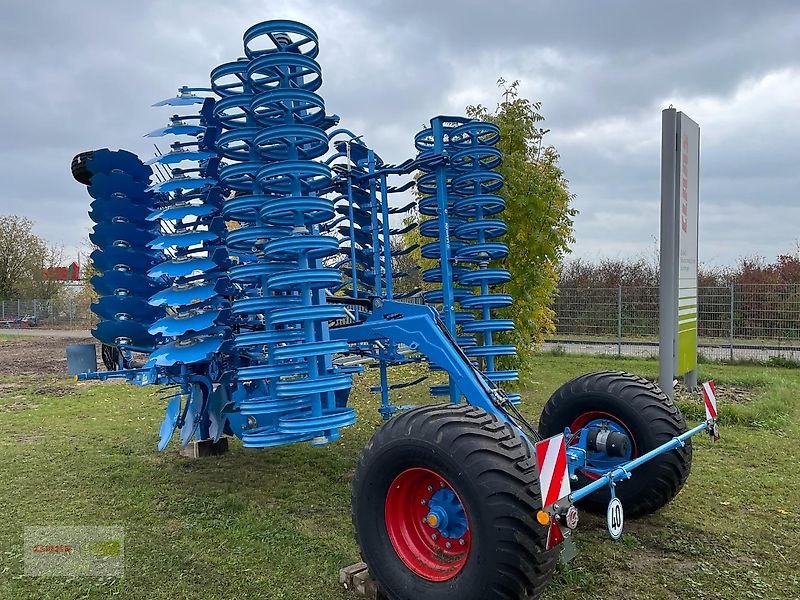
pixel 652 419
pixel 110 355
pixel 493 471
pixel 79 169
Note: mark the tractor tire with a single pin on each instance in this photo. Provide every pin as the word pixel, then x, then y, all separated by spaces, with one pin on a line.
pixel 650 419
pixel 487 472
pixel 79 169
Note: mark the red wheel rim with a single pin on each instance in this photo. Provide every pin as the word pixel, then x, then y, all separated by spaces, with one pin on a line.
pixel 583 419
pixel 421 548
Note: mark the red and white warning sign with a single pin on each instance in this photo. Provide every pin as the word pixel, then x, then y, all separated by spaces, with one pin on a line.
pixel 710 400
pixel 551 456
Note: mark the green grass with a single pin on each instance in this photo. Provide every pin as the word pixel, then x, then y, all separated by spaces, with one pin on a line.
pixel 8 337
pixel 275 524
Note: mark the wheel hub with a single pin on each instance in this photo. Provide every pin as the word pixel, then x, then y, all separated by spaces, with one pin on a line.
pixel 427 524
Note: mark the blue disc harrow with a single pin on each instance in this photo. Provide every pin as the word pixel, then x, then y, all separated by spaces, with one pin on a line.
pixel 261 260
pixel 227 258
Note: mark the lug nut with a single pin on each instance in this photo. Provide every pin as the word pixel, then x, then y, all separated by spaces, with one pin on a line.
pixel 448 545
pixel 462 541
pixel 434 537
pixel 423 501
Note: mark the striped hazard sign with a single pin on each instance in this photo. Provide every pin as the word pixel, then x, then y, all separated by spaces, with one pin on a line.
pixel 710 400
pixel 551 457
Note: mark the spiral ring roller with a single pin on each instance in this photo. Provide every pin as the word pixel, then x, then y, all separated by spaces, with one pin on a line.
pixel 476 204
pixel 273 128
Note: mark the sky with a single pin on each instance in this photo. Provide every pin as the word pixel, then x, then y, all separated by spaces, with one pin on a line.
pixel 83 75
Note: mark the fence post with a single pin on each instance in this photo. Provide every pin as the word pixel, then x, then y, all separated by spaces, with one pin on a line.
pixel 733 287
pixel 18 309
pixel 619 320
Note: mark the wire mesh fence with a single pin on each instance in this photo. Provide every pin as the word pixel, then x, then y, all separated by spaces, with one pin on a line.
pixel 739 321
pixel 70 312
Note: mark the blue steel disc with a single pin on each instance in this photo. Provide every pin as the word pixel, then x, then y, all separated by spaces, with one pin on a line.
pixel 121 234
pixel 187 266
pixel 130 282
pixel 186 352
pixel 110 209
pixel 176 130
pixel 194 413
pixel 182 183
pixel 105 160
pixel 192 322
pixel 117 257
pixel 120 186
pixel 124 333
pixel 170 422
pixel 186 295
pixel 186 100
pixel 122 308
pixel 176 157
pixel 182 240
pixel 179 212
pixel 218 401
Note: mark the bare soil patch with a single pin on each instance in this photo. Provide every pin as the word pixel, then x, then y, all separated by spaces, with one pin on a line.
pixel 37 356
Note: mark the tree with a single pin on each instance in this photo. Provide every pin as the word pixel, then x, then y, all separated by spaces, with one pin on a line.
pixel 538 212
pixel 24 257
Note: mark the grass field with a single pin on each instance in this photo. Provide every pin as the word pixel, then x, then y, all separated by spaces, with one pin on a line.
pixel 275 524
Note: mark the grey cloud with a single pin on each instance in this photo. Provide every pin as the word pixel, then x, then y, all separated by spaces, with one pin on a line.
pixel 83 75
